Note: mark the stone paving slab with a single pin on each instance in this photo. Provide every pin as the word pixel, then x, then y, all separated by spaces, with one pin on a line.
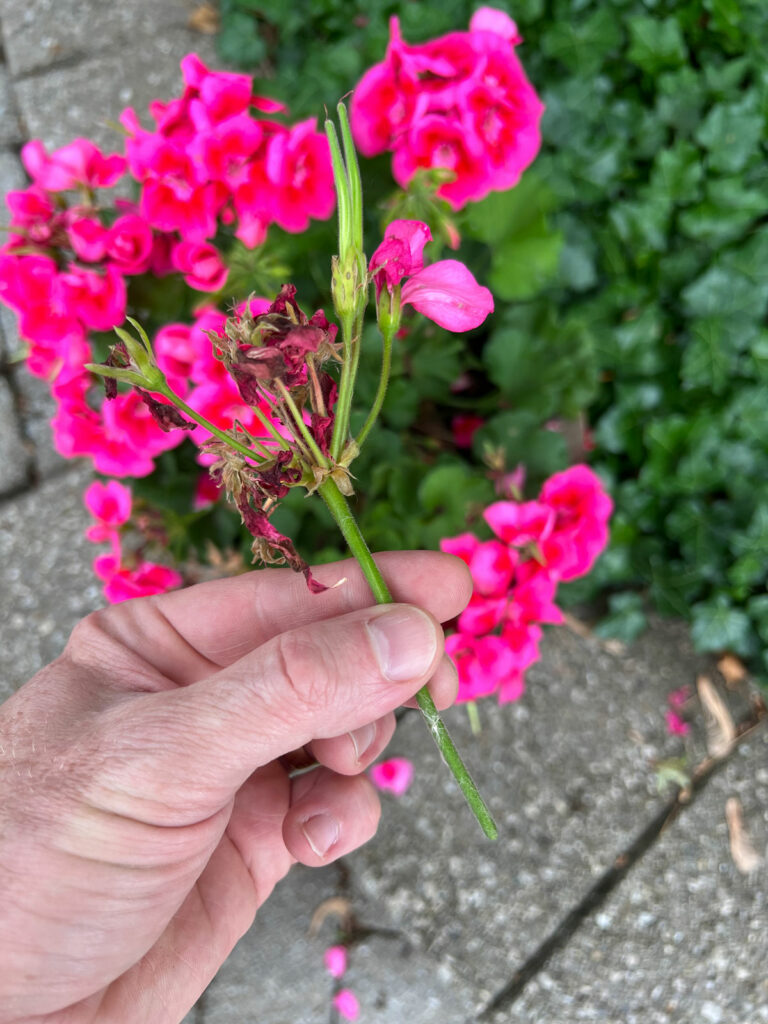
pixel 80 100
pixel 685 939
pixel 46 581
pixel 14 454
pixel 568 772
pixel 10 128
pixel 40 33
pixel 36 409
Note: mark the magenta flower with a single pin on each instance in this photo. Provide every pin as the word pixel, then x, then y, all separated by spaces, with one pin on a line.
pixel 347 1004
pixel 676 726
pixel 78 163
pixel 129 244
pixel 445 291
pixel 201 265
pixel 393 776
pixel 110 504
pixel 335 959
pixel 145 579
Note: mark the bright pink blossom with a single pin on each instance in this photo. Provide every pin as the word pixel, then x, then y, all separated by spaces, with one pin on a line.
pixel 129 244
pixel 676 726
pixel 97 300
pixel 78 163
pixel 676 698
pixel 335 959
pixel 460 102
pixel 87 236
pixel 146 579
pixel 298 167
pixel 393 775
pixel 445 291
pixel 109 502
pixel 347 1004
pixel 201 264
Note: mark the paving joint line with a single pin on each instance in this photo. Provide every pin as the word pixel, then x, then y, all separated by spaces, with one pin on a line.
pixel 613 876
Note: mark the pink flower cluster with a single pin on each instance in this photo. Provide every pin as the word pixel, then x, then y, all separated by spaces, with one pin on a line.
pixel 210 159
pixel 676 724
pixel 125 576
pixel 73 249
pixel 461 102
pixel 539 544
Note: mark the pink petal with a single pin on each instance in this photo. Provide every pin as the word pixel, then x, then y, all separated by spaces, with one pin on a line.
pixel 347 1003
pixel 393 776
pixel 488 19
pixel 335 959
pixel 447 293
pixel 675 724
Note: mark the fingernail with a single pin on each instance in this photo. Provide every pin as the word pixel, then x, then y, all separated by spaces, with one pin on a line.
pixel 405 642
pixel 321 832
pixel 362 739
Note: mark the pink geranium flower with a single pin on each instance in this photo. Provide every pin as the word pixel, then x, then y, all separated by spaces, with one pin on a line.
pixel 146 579
pixel 129 244
pixel 446 291
pixel 393 776
pixel 201 264
pixel 110 504
pixel 78 163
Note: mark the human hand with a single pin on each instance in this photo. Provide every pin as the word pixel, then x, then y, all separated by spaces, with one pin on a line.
pixel 147 810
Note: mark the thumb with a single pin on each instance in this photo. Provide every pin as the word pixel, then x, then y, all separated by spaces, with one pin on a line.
pixel 194 746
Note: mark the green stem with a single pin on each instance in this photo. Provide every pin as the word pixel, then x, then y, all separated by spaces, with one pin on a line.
pixel 386 363
pixel 353 178
pixel 346 386
pixel 346 522
pixel 301 425
pixel 189 411
pixel 342 182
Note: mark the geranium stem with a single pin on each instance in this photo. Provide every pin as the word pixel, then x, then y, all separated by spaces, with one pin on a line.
pixel 341 512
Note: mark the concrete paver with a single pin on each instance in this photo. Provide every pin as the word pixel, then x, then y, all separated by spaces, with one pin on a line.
pixel 15 463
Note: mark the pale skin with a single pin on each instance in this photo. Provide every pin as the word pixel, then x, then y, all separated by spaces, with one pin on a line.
pixel 146 807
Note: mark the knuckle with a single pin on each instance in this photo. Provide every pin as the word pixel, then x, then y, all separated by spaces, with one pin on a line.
pixel 304 666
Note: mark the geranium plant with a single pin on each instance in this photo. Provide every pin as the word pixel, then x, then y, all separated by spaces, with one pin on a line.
pixel 228 203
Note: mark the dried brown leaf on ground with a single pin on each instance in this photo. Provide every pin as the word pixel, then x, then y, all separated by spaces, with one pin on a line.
pixel 336 907
pixel 745 856
pixel 205 19
pixel 732 669
pixel 721 732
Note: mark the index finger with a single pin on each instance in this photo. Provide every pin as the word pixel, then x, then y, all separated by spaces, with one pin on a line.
pixel 222 620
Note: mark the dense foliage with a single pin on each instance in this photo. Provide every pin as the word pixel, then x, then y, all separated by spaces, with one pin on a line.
pixel 632 260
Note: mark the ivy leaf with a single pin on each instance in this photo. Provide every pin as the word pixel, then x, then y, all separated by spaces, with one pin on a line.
pixel 718 626
pixel 731 132
pixel 655 44
pixel 526 263
pixel 626 618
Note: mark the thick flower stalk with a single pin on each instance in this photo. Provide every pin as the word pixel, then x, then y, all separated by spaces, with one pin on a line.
pixel 297 378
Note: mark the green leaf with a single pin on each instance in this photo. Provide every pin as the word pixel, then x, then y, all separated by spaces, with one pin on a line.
pixel 503 214
pixel 677 173
pixel 731 132
pixel 710 357
pixel 582 46
pixel 526 263
pixel 655 44
pixel 626 618
pixel 718 626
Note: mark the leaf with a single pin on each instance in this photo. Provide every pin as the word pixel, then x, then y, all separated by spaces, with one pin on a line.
pixel 745 856
pixel 677 173
pixel 503 214
pixel 655 44
pixel 583 45
pixel 731 132
pixel 710 357
pixel 626 618
pixel 718 626
pixel 526 262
